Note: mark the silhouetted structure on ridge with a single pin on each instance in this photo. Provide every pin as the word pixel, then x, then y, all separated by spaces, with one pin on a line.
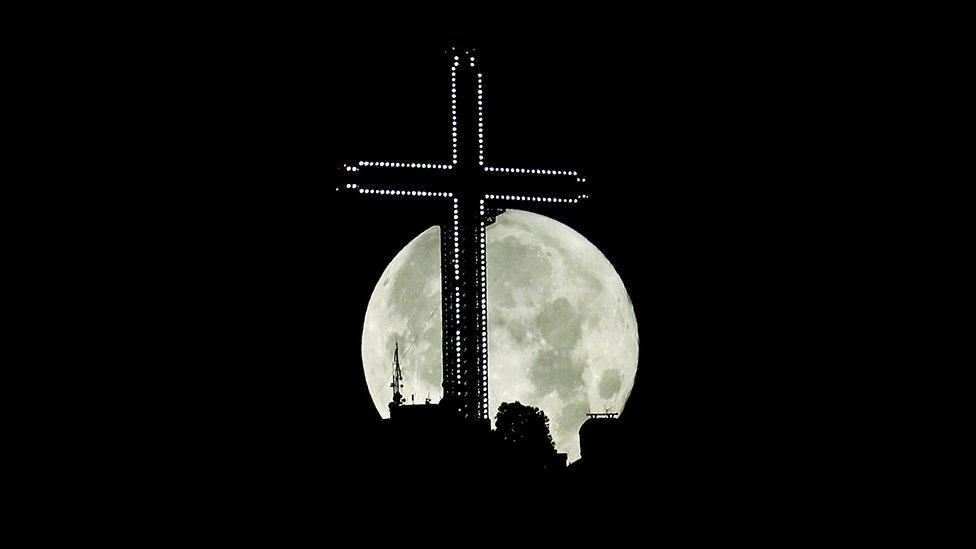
pixel 603 447
pixel 433 439
pixel 600 438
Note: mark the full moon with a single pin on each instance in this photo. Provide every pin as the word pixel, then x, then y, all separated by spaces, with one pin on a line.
pixel 562 335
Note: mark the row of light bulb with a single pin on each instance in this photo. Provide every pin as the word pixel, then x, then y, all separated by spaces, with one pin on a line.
pixel 457 346
pixel 515 198
pixel 457 308
pixel 454 130
pixel 531 171
pixel 483 296
pixel 481 122
pixel 536 199
pixel 457 290
pixel 392 192
pixel 399 165
pixel 457 256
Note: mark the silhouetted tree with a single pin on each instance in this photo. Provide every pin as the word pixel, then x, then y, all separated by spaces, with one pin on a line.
pixel 526 429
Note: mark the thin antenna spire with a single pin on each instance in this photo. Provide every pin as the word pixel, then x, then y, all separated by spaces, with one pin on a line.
pixel 397 384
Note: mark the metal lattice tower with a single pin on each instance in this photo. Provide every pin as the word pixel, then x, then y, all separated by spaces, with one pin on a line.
pixel 477 192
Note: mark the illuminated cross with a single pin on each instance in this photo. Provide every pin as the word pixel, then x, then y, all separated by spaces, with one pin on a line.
pixel 477 192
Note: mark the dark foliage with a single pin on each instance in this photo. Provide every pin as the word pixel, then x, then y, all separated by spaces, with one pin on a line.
pixel 525 429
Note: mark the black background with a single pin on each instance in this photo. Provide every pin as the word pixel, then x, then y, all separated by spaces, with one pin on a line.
pixel 717 157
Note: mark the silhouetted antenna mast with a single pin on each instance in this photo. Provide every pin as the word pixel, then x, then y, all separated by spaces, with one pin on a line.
pixel 422 330
pixel 397 379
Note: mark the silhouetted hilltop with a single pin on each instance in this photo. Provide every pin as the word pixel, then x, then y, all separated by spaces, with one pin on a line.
pixel 431 439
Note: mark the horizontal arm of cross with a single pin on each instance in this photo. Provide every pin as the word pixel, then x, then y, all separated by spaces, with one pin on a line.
pixel 534 171
pixel 358 166
pixel 540 186
pixel 499 184
pixel 395 180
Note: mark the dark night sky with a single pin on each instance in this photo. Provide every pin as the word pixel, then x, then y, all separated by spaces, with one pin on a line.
pixel 714 159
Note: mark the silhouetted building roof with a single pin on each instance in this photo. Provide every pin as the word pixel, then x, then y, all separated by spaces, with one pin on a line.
pixel 601 439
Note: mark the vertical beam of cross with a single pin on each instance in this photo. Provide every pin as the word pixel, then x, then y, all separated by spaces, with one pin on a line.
pixel 477 193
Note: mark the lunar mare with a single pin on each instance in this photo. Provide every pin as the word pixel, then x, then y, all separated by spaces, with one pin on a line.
pixel 562 332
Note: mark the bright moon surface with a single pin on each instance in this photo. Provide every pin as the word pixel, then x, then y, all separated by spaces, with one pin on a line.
pixel 562 335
